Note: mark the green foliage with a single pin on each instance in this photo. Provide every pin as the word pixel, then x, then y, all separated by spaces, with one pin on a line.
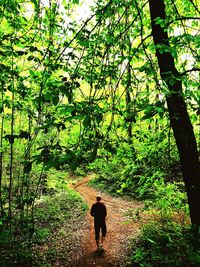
pixel 165 244
pixel 71 94
pixel 169 196
pixel 54 212
pixel 51 214
pixel 41 235
pixel 134 169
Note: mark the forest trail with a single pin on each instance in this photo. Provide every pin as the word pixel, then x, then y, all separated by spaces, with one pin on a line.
pixel 119 229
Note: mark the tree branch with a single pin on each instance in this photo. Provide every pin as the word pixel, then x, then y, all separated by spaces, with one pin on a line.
pixel 196 8
pixel 183 18
pixel 194 69
pixel 83 26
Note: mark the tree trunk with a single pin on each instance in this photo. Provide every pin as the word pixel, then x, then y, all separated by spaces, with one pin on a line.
pixel 179 118
pixel 11 162
pixel 1 154
pixel 128 102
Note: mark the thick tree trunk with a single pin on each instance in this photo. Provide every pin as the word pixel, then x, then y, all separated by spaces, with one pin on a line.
pixel 179 118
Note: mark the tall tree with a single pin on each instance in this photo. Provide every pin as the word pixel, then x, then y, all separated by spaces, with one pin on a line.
pixel 179 118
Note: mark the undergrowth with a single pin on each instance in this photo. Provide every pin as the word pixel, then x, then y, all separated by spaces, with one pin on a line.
pixel 166 239
pixel 165 244
pixel 53 216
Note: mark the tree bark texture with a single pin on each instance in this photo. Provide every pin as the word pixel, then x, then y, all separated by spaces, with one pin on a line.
pixel 179 118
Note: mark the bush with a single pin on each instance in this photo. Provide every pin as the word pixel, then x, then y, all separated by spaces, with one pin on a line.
pixel 165 245
pixel 51 214
pixel 127 179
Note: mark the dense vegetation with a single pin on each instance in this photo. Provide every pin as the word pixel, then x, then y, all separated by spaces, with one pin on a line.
pixel 57 215
pixel 116 92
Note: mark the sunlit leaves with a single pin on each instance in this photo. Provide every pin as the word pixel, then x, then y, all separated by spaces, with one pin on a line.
pixel 71 85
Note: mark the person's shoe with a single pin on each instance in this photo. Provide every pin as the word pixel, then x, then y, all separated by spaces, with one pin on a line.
pixel 101 247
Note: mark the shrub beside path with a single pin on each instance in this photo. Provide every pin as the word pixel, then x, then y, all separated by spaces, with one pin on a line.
pixel 120 229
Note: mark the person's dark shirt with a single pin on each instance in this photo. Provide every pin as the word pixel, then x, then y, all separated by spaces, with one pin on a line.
pixel 98 211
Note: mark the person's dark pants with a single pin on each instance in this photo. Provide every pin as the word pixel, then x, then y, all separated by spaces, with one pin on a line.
pixel 99 227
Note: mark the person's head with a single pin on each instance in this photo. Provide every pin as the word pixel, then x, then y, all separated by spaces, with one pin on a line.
pixel 98 198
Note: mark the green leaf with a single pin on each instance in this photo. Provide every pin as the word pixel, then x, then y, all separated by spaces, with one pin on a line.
pixel 24 134
pixel 33 48
pixel 32 72
pixel 30 58
pixel 149 112
pixel 87 122
pixel 10 138
pixel 27 166
pixel 99 118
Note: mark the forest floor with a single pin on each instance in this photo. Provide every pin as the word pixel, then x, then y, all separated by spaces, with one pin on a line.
pixel 120 229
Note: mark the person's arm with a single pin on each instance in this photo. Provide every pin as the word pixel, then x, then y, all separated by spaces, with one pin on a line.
pixel 92 210
pixel 105 211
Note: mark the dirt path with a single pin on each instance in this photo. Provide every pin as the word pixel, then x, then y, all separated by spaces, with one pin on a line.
pixel 119 229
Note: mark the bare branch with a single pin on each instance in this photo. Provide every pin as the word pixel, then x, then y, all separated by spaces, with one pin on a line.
pixel 191 70
pixel 183 18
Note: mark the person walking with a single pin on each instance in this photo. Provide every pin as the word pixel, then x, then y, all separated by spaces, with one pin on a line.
pixel 99 212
